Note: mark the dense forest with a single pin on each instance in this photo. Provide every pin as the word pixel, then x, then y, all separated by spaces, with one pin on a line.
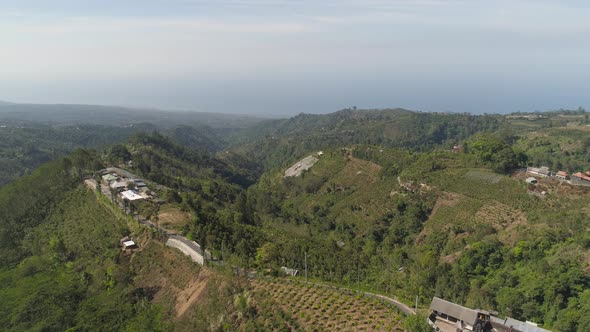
pixel 399 203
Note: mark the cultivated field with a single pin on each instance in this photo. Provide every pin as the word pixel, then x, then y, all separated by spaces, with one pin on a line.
pixel 317 308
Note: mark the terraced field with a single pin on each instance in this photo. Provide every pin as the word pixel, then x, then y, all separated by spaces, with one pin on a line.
pixel 317 308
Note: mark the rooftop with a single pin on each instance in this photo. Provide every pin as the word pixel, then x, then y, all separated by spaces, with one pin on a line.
pixel 582 176
pixel 131 195
pixel 467 315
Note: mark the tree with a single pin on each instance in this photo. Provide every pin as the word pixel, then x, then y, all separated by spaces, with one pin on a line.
pixel 416 323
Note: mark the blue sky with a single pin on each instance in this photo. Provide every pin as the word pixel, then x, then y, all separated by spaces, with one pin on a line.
pixel 280 58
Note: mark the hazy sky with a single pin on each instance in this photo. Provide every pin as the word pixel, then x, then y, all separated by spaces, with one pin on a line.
pixel 285 57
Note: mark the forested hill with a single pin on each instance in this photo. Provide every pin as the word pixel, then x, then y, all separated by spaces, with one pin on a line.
pixel 275 141
pixel 23 149
pixel 201 138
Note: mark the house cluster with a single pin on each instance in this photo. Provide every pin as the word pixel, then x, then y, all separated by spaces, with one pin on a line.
pixel 579 178
pixel 130 189
pixel 448 316
pixel 530 117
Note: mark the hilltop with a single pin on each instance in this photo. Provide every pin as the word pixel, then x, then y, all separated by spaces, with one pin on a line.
pixel 275 142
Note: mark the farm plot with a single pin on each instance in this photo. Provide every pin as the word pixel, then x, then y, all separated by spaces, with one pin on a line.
pixel 316 308
pixel 483 176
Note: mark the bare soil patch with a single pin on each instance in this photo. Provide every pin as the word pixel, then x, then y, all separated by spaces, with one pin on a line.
pixel 192 293
pixel 173 218
pixel 361 170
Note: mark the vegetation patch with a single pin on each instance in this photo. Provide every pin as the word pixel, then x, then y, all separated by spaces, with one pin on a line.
pixel 484 176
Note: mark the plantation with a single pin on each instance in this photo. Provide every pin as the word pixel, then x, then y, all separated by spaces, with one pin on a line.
pixel 318 308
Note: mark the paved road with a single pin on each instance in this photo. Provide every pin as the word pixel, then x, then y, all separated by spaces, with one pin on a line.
pixel 192 244
pixel 401 306
pixel 197 249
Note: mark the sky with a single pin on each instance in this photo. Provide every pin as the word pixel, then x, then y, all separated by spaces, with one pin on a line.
pixel 282 57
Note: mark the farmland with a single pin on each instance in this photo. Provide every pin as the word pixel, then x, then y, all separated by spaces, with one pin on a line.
pixel 317 308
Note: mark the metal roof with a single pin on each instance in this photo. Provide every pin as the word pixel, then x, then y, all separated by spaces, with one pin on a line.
pixel 517 325
pixel 118 184
pixel 109 177
pixel 131 195
pixel 129 243
pixel 467 315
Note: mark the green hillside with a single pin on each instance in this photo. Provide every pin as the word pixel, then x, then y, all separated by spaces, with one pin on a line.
pixel 278 141
pixel 465 234
pixel 443 213
pixel 23 149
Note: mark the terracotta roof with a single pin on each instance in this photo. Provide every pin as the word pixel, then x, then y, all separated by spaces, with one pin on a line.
pixel 582 176
pixel 562 173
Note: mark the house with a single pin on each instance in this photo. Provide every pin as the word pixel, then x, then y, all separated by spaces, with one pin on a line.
pixel 581 179
pixel 561 175
pixel 320 153
pixel 131 195
pixel 129 245
pixel 538 171
pixel 531 180
pixel 126 243
pixel 124 239
pixel 107 178
pixel 118 185
pixel 511 324
pixel 449 314
pixel 139 183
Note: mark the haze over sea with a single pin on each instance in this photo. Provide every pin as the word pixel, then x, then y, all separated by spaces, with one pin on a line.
pixel 279 58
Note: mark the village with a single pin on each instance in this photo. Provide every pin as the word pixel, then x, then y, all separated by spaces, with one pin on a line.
pixel 127 191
